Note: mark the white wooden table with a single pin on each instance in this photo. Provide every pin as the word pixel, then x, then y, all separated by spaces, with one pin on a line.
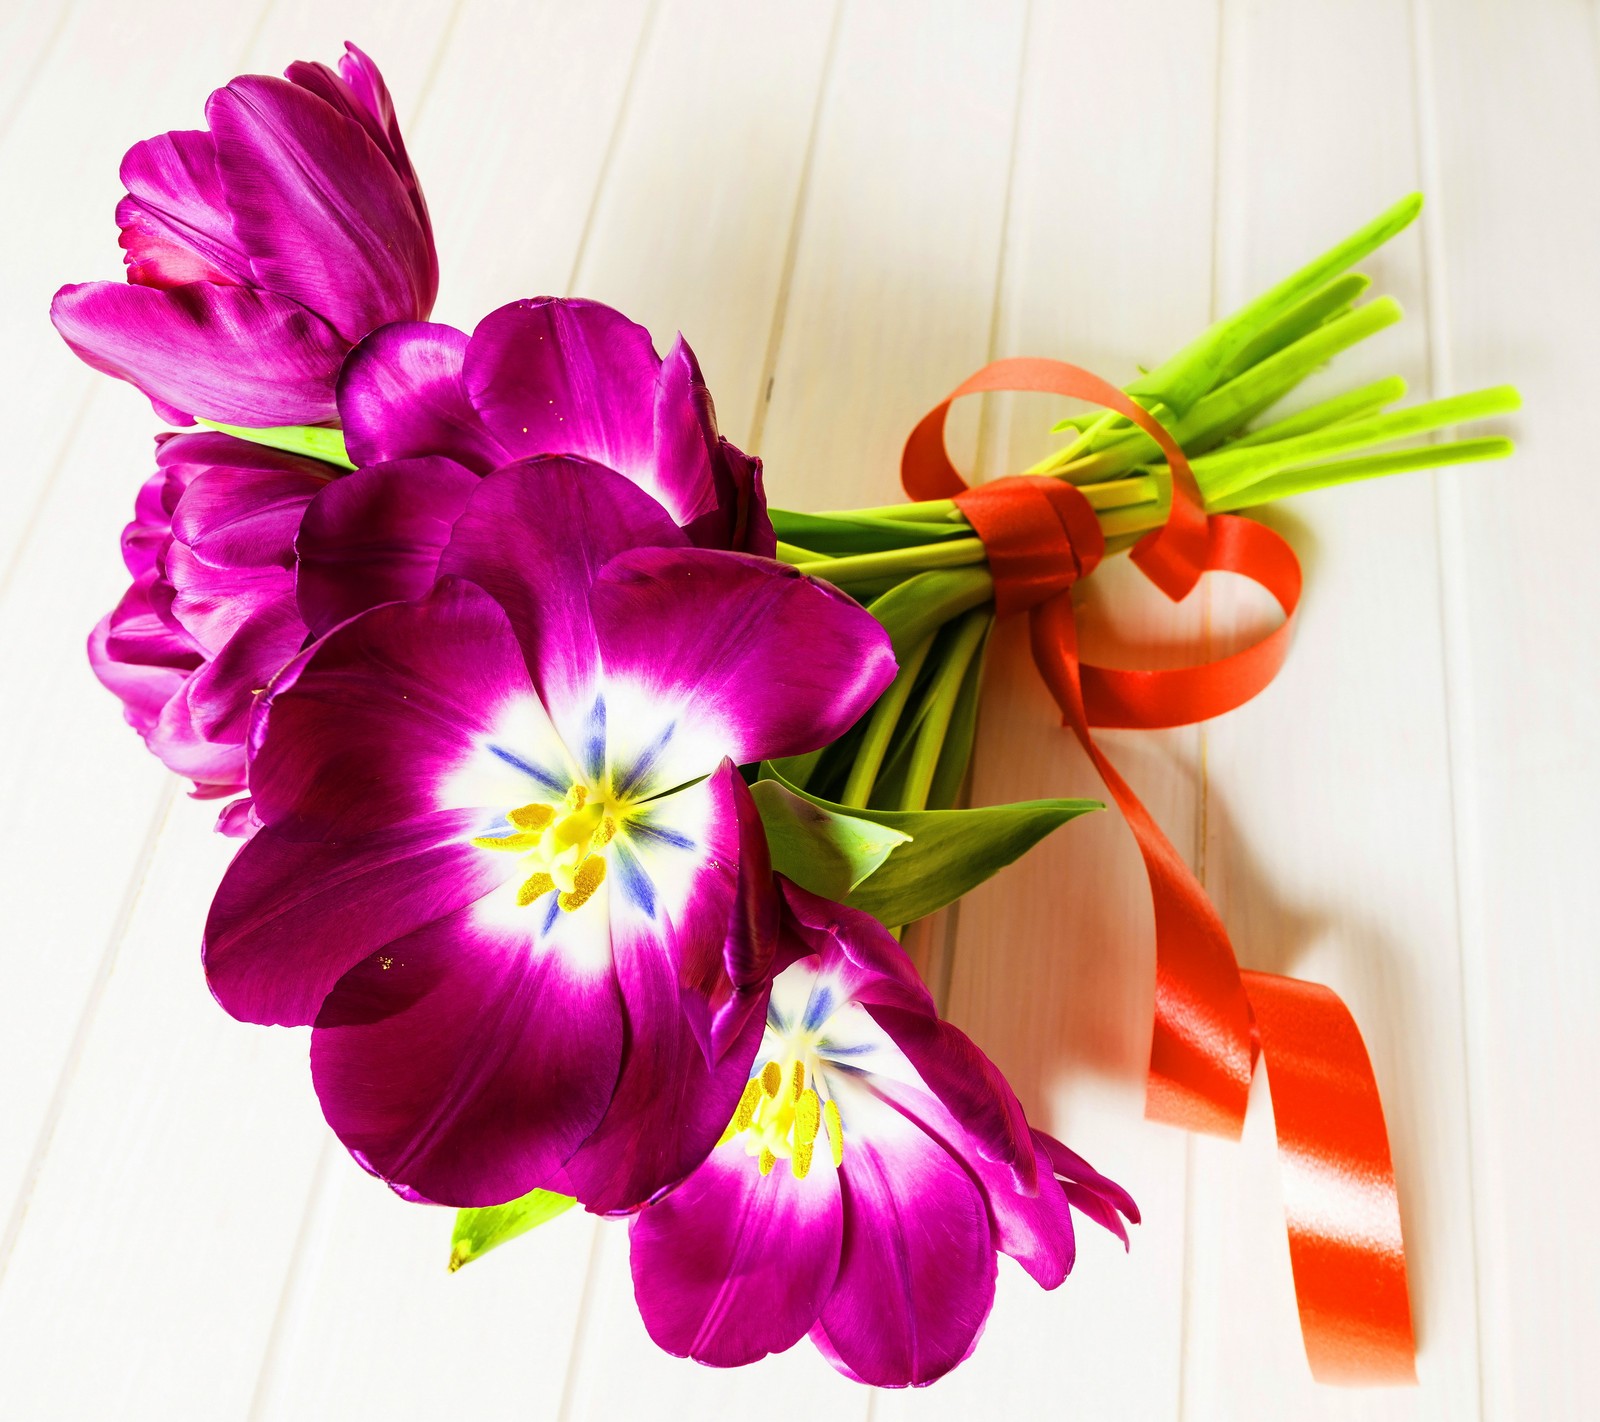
pixel 846 208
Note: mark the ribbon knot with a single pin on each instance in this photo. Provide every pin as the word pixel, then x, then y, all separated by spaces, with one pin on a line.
pixel 1212 1020
pixel 1041 536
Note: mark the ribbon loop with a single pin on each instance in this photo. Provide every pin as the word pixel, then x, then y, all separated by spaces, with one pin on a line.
pixel 1211 1019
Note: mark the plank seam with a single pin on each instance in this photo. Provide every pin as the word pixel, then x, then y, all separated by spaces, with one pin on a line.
pixel 1459 729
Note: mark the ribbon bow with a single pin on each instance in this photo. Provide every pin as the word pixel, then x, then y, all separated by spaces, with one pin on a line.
pixel 1212 1020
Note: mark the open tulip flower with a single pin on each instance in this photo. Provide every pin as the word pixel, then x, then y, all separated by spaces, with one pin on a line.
pixel 211 615
pixel 260 250
pixel 509 869
pixel 875 1163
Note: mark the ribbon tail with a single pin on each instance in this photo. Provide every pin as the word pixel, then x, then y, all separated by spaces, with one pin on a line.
pixel 1340 1201
pixel 1202 1050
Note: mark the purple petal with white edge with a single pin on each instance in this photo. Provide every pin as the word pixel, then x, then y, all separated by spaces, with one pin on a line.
pixel 174 220
pixel 227 353
pixel 324 216
pixel 466 1061
pixel 670 1108
pixel 734 1265
pixel 916 1278
pixel 292 917
pixel 375 536
pixel 402 395
pixel 535 535
pixel 408 708
pixel 726 650
pixel 554 376
pixel 1086 1189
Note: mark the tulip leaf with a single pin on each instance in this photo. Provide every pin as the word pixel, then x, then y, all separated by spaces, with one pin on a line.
pixel 829 850
pixel 478 1231
pixel 945 852
pixel 313 441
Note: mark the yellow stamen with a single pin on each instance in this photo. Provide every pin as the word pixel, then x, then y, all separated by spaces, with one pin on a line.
pixel 603 835
pixel 830 1115
pixel 591 874
pixel 767 1161
pixel 577 796
pixel 771 1079
pixel 532 817
pixel 807 1116
pixel 800 1162
pixel 536 887
pixel 517 843
pixel 797 1080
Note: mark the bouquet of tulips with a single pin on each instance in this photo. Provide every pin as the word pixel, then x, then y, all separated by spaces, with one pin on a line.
pixel 581 795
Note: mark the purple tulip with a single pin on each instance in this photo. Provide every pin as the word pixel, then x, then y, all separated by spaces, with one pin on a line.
pixel 211 614
pixel 874 1165
pixel 509 870
pixel 260 250
pixel 551 376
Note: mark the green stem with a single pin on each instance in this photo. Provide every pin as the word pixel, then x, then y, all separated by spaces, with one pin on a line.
pixel 314 441
pixel 863 567
pixel 939 706
pixel 920 606
pixel 1371 466
pixel 882 720
pixel 1181 380
pixel 1324 305
pixel 1352 405
pixel 1231 470
pixel 1236 403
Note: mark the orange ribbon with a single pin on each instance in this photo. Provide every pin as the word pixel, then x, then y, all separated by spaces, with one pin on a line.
pixel 1211 1019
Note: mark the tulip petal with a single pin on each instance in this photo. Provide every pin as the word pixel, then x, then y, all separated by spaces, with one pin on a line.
pixel 726 649
pixel 228 353
pixel 534 535
pixel 392 715
pixel 357 89
pixel 174 220
pixel 402 396
pixel 734 1265
pixel 554 376
pixel 292 917
pixel 1086 1189
pixel 325 219
pixel 222 694
pixel 916 1278
pixel 466 1061
pixel 375 536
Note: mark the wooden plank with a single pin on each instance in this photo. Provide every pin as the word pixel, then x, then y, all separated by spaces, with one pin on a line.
pixel 76 461
pixel 1108 264
pixel 1329 845
pixel 1513 120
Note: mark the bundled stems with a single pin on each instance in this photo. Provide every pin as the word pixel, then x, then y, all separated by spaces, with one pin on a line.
pixel 923 572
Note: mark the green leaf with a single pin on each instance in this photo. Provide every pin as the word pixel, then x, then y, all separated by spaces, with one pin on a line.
pixel 479 1231
pixel 946 852
pixel 315 441
pixel 829 851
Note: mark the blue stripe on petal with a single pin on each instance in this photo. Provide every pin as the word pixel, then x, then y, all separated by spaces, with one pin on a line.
pixel 819 1008
pixel 643 829
pixel 551 912
pixel 632 778
pixel 594 741
pixel 635 882
pixel 528 768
